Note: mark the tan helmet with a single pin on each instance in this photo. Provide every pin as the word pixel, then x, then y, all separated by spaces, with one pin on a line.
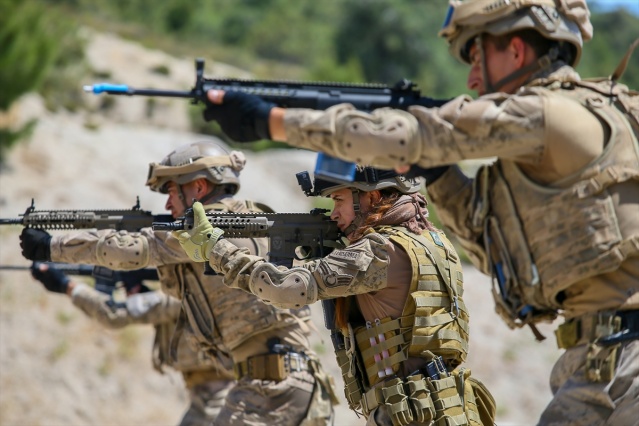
pixel 367 179
pixel 204 159
pixel 566 21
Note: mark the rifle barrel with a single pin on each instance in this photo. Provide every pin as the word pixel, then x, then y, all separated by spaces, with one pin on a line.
pixel 170 226
pixel 11 221
pixel 123 89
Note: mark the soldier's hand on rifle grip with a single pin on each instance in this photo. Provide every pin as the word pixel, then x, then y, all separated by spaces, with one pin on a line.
pixel 53 279
pixel 242 117
pixel 430 174
pixel 199 241
pixel 35 244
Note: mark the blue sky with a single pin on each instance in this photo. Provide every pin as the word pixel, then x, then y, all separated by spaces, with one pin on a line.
pixel 631 5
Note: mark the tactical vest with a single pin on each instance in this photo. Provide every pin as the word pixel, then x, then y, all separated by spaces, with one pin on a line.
pixel 539 239
pixel 194 365
pixel 216 317
pixel 434 317
pixel 434 322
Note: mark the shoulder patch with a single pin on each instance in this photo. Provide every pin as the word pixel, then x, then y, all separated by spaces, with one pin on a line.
pixel 343 254
pixel 332 278
pixel 436 238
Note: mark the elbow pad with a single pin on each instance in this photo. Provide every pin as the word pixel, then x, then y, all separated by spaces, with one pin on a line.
pixel 288 289
pixel 123 251
pixel 385 139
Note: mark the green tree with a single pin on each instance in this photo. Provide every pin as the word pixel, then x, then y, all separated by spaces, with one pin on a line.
pixel 398 39
pixel 36 39
pixel 27 54
pixel 28 50
pixel 613 34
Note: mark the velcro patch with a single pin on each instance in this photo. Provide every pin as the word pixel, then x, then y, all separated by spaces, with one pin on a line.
pixel 343 254
pixel 436 238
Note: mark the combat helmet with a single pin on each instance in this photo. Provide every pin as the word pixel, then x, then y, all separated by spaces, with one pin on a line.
pixel 203 159
pixel 565 21
pixel 366 179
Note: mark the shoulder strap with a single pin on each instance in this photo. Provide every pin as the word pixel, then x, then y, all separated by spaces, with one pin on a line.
pixel 621 68
pixel 259 207
pixel 449 275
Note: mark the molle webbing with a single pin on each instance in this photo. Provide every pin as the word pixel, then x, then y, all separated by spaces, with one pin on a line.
pixel 434 318
pixel 572 227
pixel 542 239
pixel 353 387
pixel 446 401
pixel 196 311
pixel 384 355
pixel 440 315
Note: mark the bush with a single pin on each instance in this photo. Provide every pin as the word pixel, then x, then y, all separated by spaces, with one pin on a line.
pixel 40 51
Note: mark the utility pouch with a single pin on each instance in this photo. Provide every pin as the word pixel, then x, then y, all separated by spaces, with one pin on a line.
pixel 484 403
pixel 601 362
pixel 267 367
pixel 478 403
pixel 449 409
pixel 352 387
pixel 396 401
pixel 419 398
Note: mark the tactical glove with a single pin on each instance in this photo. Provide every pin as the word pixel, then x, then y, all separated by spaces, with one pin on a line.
pixel 35 244
pixel 430 174
pixel 199 241
pixel 242 117
pixel 53 279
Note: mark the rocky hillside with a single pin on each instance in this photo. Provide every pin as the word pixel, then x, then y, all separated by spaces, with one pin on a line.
pixel 59 368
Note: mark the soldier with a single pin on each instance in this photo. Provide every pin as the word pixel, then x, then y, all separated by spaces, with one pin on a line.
pixel 207 380
pixel 279 379
pixel 555 220
pixel 398 300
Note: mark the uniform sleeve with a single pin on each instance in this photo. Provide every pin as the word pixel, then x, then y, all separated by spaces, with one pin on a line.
pixel 461 208
pixel 119 250
pixel 495 125
pixel 360 268
pixel 144 308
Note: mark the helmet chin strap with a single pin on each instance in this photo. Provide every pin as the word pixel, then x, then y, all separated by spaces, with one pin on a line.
pixel 540 64
pixel 182 198
pixel 488 86
pixel 215 194
pixel 358 220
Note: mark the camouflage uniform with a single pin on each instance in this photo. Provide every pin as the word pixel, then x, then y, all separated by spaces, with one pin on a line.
pixel 220 320
pixel 279 379
pixel 207 380
pixel 404 287
pixel 556 218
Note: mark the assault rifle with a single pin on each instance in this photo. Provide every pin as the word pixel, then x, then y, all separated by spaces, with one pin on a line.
pixel 298 94
pixel 133 219
pixel 293 236
pixel 290 94
pixel 106 279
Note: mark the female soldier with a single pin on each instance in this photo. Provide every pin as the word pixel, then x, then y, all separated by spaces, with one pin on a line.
pixel 403 327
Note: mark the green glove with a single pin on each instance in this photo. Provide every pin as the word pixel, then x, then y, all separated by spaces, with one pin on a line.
pixel 199 241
